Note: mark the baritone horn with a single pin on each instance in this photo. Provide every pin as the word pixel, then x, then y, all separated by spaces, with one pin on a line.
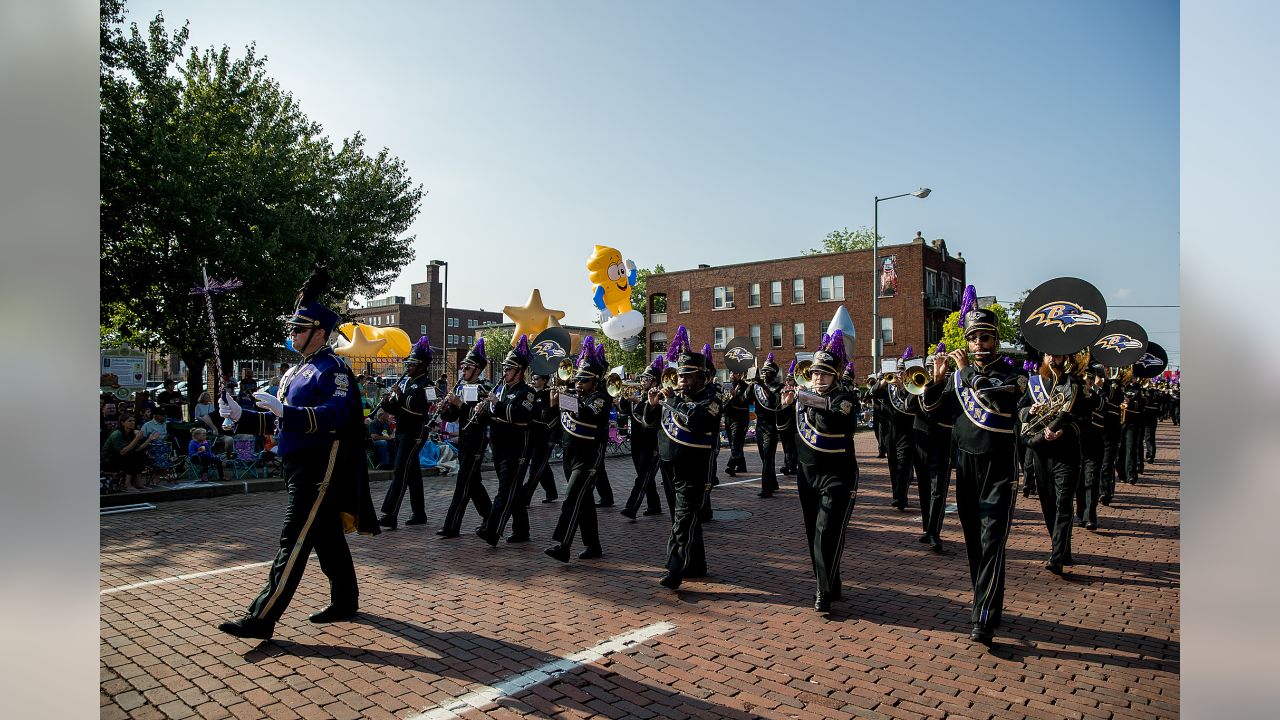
pixel 914 379
pixel 565 371
pixel 616 386
pixel 804 374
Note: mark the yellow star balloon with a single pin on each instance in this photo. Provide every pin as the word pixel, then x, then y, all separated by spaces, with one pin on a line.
pixel 361 344
pixel 531 318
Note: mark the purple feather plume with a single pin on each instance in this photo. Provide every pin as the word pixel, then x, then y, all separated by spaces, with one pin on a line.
pixel 967 303
pixel 940 348
pixel 835 346
pixel 479 347
pixel 678 344
pixel 600 354
pixel 791 369
pixel 1028 365
pixel 216 287
pixel 909 353
pixel 1007 360
pixel 522 346
pixel 770 358
pixel 588 347
pixel 423 344
pixel 659 364
pixel 849 369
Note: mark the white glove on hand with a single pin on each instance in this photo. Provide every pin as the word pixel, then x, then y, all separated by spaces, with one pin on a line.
pixel 229 408
pixel 267 401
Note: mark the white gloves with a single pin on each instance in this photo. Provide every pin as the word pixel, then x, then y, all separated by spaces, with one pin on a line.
pixel 229 408
pixel 267 401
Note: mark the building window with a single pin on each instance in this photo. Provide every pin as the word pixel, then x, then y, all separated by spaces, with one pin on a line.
pixel 723 298
pixel 391 319
pixel 422 329
pixel 453 339
pixel 831 287
pixel 931 282
pixel 797 334
pixel 417 296
pixel 472 323
pixel 657 342
pixel 944 284
pixel 453 322
pixel 775 332
pixel 754 300
pixel 955 289
pixel 886 330
pixel 684 301
pixel 797 291
pixel 723 335
pixel 775 292
pixel 755 336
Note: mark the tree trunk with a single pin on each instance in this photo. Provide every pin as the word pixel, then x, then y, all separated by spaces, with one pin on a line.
pixel 195 380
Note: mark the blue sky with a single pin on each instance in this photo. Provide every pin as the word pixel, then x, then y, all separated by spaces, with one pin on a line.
pixel 720 132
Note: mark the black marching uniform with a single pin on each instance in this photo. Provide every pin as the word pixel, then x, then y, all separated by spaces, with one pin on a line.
pixel 768 414
pixel 899 418
pixel 509 417
pixel 1112 440
pixel 1130 463
pixel 987 399
pixel 686 445
pixel 586 434
pixel 827 482
pixel 643 419
pixel 932 429
pixel 737 416
pixel 408 403
pixel 1057 462
pixel 1155 409
pixel 471 446
pixel 321 442
pixel 705 512
pixel 544 434
pixel 1092 432
pixel 787 439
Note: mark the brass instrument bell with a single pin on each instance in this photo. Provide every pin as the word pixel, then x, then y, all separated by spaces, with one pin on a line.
pixel 670 380
pixel 890 378
pixel 914 379
pixel 804 374
pixel 565 371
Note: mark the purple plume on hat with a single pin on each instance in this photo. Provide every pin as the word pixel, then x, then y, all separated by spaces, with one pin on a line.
pixel 834 344
pixel 909 353
pixel 587 349
pixel 769 359
pixel 940 348
pixel 423 344
pixel 849 369
pixel 967 303
pixel 1028 365
pixel 791 369
pixel 1007 360
pixel 522 346
pixel 600 354
pixel 706 349
pixel 479 347
pixel 678 344
pixel 825 340
pixel 659 364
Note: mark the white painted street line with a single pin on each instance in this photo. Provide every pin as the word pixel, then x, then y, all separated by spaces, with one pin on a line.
pixel 126 508
pixel 486 696
pixel 191 576
pixel 738 482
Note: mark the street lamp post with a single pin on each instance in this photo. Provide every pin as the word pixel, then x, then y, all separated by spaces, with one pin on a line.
pixel 876 336
pixel 444 317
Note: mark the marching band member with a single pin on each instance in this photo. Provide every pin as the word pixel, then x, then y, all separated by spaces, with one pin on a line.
pixel 987 393
pixel 826 419
pixel 690 422
pixel 318 421
pixel 586 435
pixel 1091 448
pixel 1112 439
pixel 737 416
pixel 899 419
pixel 471 443
pixel 787 427
pixel 408 402
pixel 932 433
pixel 768 399
pixel 705 513
pixel 1154 409
pixel 644 420
pixel 544 434
pixel 509 410
pixel 1055 450
pixel 1130 462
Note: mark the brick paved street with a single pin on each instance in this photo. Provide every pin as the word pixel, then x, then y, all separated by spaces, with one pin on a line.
pixel 443 619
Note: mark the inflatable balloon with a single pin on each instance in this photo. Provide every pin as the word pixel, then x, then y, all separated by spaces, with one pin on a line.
pixel 369 342
pixel 532 318
pixel 613 280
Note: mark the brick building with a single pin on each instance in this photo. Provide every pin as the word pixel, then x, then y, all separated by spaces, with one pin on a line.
pixel 425 313
pixel 786 304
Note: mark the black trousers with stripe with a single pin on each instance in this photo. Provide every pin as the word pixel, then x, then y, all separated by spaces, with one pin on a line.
pixel 644 457
pixel 311 520
pixel 510 462
pixel 407 476
pixel 767 444
pixel 985 493
pixel 686 555
pixel 827 501
pixel 932 463
pixel 1057 480
pixel 540 473
pixel 468 487
pixel 735 430
pixel 900 442
pixel 582 461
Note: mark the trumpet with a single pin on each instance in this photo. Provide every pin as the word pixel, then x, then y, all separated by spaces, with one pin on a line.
pixel 914 379
pixel 804 374
pixel 670 380
pixel 617 387
pixel 890 378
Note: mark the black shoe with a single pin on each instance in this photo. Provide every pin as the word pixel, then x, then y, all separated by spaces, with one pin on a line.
pixel 1053 567
pixel 927 537
pixel 518 539
pixel 489 537
pixel 902 507
pixel 590 554
pixel 981 634
pixel 387 522
pixel 447 533
pixel 249 627
pixel 416 520
pixel 1105 501
pixel 765 494
pixel 1090 526
pixel 730 473
pixel 550 499
pixel 821 601
pixel 694 573
pixel 628 513
pixel 605 503
pixel 1068 560
pixel 558 552
pixel 653 511
pixel 836 594
pixel 670 580
pixel 333 613
pixel 880 455
pixel 935 544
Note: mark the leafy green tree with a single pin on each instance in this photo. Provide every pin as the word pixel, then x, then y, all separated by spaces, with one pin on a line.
pixel 844 240
pixel 497 342
pixel 635 360
pixel 953 335
pixel 205 160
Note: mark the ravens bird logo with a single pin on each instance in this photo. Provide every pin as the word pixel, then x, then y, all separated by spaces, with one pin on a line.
pixel 1118 342
pixel 549 349
pixel 738 353
pixel 1148 360
pixel 1063 315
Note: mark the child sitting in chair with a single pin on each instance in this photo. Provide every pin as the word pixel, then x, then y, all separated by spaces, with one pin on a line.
pixel 200 454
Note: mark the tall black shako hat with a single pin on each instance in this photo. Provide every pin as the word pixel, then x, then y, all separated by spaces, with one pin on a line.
pixel 830 357
pixel 687 361
pixel 591 364
pixel 475 356
pixel 769 370
pixel 973 318
pixel 519 355
pixel 709 359
pixel 310 312
pixel 655 368
pixel 421 352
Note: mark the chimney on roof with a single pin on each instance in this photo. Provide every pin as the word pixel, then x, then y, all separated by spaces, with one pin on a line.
pixel 703 266
pixel 918 239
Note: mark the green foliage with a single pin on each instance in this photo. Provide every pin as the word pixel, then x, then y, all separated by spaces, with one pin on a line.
pixel 497 341
pixel 207 160
pixel 844 240
pixel 953 335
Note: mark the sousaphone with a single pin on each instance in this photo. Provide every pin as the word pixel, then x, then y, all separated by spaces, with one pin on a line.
pixel 740 355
